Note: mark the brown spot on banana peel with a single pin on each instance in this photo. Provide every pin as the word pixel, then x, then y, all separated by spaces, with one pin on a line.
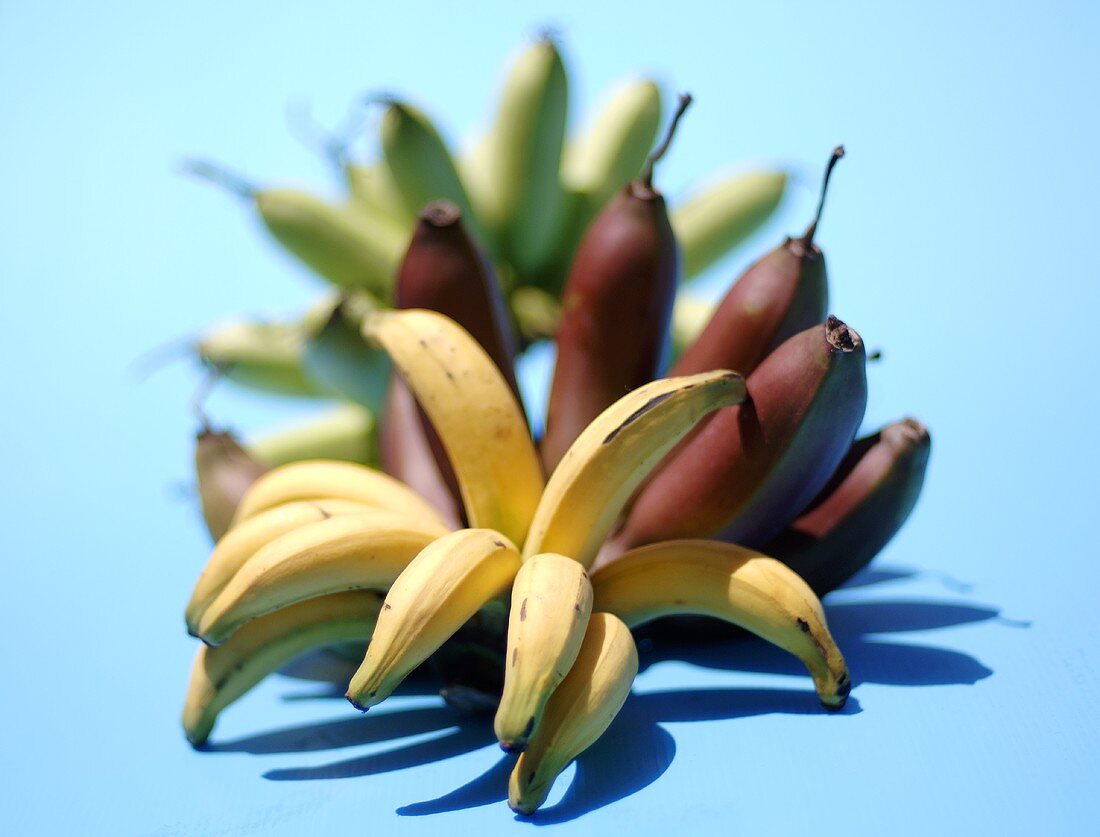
pixel 748 471
pixel 523 610
pixel 614 329
pixel 864 504
pixel 783 293
pixel 637 414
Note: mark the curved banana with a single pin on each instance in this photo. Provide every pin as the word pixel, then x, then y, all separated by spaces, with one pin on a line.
pixel 716 220
pixel 260 355
pixel 524 200
pixel 346 433
pixel 473 410
pixel 224 472
pixel 597 475
pixel 613 150
pixel 346 552
pixel 578 712
pixel 551 604
pixel 222 675
pixel 320 478
pixel 436 594
pixel 244 540
pixel 739 585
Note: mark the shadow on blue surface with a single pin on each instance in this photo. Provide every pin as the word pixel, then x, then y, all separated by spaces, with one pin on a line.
pixel 636 750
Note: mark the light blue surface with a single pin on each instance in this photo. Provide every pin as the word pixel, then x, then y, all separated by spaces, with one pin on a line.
pixel 961 239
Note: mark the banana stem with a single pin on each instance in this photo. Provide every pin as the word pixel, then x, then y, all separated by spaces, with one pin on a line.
pixel 221 176
pixel 202 392
pixel 808 238
pixel 647 172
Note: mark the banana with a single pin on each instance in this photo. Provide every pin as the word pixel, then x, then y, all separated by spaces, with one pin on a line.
pixel 716 220
pixel 690 315
pixel 245 539
pixel 739 585
pixel 578 712
pixel 337 241
pixel 551 605
pixel 367 550
pixel 321 478
pixel 436 594
pixel 614 148
pixel 340 361
pixel 597 475
pixel 346 432
pixel 225 472
pixel 474 412
pixel 420 164
pixel 371 188
pixel 222 675
pixel 524 202
pixel 260 355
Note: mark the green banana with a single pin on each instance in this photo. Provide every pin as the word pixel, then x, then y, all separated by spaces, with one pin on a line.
pixel 346 432
pixel 338 358
pixel 265 356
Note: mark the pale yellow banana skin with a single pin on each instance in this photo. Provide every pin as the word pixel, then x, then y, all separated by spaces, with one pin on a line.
pixel 222 675
pixel 739 585
pixel 321 478
pixel 343 433
pixel 551 605
pixel 244 540
pixel 611 457
pixel 473 410
pixel 719 218
pixel 436 594
pixel 578 712
pixel 262 355
pixel 346 552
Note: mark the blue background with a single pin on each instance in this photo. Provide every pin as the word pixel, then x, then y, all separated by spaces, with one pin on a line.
pixel 961 239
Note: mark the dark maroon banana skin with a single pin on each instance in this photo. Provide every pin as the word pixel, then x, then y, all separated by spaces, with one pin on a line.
pixel 443 271
pixel 782 294
pixel 862 507
pixel 616 308
pixel 225 472
pixel 746 474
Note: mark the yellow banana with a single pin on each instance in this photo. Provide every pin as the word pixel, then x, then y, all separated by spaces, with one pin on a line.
pixel 367 550
pixel 221 675
pixel 474 412
pixel 600 471
pixel 614 149
pixel 578 712
pixel 714 578
pixel 321 478
pixel 347 433
pixel 716 220
pixel 551 604
pixel 523 199
pixel 244 540
pixel 436 594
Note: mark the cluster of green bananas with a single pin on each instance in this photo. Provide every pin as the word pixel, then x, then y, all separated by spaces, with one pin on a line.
pixel 726 483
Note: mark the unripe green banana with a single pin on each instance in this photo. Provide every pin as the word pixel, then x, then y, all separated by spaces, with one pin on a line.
pixel 339 360
pixel 222 675
pixel 265 356
pixel 346 432
pixel 690 316
pixel 372 190
pixel 612 151
pixel 716 220
pixel 551 604
pixel 421 166
pixel 578 712
pixel 434 596
pixel 524 203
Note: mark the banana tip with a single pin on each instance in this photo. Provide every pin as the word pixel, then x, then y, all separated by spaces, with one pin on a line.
pixel 354 701
pixel 513 746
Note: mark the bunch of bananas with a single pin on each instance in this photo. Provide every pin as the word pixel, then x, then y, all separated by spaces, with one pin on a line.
pixel 726 485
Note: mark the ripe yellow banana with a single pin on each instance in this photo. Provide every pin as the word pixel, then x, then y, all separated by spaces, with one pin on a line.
pixel 578 712
pixel 320 478
pixel 222 675
pixel 712 578
pixel 551 604
pixel 436 594
pixel 613 150
pixel 346 432
pixel 524 199
pixel 715 221
pixel 346 552
pixel 473 410
pixel 597 475
pixel 244 540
